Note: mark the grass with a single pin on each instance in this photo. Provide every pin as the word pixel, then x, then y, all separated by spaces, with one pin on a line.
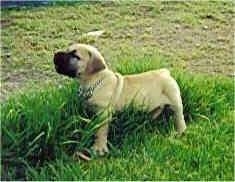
pixel 42 130
pixel 44 123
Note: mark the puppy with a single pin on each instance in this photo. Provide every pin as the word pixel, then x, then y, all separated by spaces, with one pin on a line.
pixel 111 91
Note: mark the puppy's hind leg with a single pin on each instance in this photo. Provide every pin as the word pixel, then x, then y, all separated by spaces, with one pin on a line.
pixel 179 122
pixel 173 93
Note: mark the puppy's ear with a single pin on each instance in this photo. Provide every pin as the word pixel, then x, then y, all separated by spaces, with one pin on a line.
pixel 96 63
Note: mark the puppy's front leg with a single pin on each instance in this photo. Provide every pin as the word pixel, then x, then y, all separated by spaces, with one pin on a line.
pixel 100 144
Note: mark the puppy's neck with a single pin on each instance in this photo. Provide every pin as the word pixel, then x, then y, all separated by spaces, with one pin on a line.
pixel 92 78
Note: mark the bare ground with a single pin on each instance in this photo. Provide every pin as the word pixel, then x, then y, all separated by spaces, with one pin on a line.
pixel 197 36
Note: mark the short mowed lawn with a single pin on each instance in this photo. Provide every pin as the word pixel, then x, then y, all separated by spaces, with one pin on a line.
pixel 44 122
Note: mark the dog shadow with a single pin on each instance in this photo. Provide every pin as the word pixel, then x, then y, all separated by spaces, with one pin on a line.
pixel 133 121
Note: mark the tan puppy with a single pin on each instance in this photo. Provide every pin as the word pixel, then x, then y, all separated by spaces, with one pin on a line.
pixel 109 90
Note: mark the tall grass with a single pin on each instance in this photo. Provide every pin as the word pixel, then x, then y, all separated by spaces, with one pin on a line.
pixel 41 126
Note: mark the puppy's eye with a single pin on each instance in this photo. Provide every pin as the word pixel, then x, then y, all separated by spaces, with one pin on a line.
pixel 74 55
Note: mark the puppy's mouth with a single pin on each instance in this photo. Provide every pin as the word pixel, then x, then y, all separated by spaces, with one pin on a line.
pixel 63 65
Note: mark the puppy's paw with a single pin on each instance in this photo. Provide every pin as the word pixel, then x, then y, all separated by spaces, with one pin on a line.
pixel 100 148
pixel 181 129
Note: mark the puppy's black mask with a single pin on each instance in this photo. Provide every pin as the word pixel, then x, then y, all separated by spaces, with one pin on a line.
pixel 65 63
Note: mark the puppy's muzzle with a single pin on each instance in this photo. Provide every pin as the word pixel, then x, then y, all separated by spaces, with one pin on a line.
pixel 62 64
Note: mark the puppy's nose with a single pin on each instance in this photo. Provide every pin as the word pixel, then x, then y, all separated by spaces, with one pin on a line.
pixel 58 57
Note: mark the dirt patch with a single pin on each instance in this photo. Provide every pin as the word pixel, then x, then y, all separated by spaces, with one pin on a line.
pixel 197 36
pixel 203 50
pixel 5 23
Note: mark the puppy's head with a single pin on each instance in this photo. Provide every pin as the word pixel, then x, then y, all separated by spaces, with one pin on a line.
pixel 79 60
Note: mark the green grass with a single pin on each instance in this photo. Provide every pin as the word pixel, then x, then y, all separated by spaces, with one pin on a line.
pixel 44 122
pixel 42 129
